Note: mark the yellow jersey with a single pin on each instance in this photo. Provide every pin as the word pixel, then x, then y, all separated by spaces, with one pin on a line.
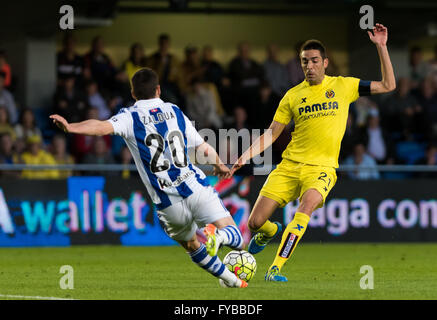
pixel 42 158
pixel 320 113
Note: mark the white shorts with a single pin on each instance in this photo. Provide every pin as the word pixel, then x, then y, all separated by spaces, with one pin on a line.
pixel 181 220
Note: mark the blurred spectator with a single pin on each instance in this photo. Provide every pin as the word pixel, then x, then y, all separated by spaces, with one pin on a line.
pixel 261 118
pixel 332 69
pixel 419 69
pixel 234 148
pixel 213 71
pixel 121 92
pixel 433 68
pixel 246 76
pixel 376 138
pixel 6 69
pixel 6 149
pixel 70 102
pixel 361 159
pixel 126 159
pixel 99 154
pixel 352 136
pixel 275 72
pixel 99 64
pixel 398 111
pixel 227 96
pixel 96 100
pixel 294 68
pixel 201 107
pixel 430 159
pixel 7 155
pixel 35 155
pixel 26 126
pixel 82 144
pixel 265 108
pixel 190 68
pixel 60 154
pixel 69 63
pixel 240 119
pixel 362 107
pixel 5 124
pixel 7 100
pixel 214 74
pixel 427 98
pixel 137 60
pixel 168 68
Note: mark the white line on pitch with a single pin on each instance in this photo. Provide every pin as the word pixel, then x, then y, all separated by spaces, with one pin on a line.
pixel 32 297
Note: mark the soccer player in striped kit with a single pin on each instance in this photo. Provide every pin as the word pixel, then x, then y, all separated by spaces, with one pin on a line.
pixel 159 135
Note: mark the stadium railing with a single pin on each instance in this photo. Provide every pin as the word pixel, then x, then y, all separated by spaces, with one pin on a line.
pixel 132 167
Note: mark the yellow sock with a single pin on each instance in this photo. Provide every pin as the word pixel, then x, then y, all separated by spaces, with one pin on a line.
pixel 290 238
pixel 268 228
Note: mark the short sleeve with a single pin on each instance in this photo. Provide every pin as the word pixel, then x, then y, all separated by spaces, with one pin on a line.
pixel 194 139
pixel 283 113
pixel 122 123
pixel 352 85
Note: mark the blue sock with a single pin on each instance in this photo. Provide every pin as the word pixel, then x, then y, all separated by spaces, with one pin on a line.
pixel 212 264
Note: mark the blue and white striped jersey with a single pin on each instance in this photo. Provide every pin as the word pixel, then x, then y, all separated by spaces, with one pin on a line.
pixel 158 135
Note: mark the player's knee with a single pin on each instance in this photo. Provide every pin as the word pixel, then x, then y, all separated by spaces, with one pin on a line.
pixel 307 207
pixel 310 201
pixel 191 245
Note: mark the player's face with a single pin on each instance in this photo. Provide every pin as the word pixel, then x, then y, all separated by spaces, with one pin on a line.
pixel 313 65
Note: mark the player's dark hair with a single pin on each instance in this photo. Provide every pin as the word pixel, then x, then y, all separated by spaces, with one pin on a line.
pixel 67 38
pixel 163 37
pixel 144 83
pixel 415 49
pixel 94 42
pixel 314 45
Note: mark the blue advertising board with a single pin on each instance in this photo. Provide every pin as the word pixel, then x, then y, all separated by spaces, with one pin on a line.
pixel 88 210
pixel 110 210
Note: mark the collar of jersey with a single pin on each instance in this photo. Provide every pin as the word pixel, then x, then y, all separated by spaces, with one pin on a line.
pixel 149 103
pixel 317 86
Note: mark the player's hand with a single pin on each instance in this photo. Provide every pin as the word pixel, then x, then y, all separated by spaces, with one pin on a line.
pixel 237 165
pixel 379 35
pixel 222 171
pixel 60 122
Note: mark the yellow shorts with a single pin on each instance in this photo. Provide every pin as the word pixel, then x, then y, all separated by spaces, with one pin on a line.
pixel 290 180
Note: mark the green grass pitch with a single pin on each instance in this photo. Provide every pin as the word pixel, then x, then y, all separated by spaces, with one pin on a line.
pixel 315 271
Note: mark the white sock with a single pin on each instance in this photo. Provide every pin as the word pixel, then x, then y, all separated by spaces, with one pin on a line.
pixel 231 237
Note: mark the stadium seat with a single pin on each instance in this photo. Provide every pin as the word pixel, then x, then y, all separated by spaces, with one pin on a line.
pixel 43 122
pixel 409 152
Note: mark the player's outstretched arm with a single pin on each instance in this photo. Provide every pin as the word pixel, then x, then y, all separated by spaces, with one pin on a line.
pixel 259 145
pixel 210 156
pixel 88 127
pixel 388 83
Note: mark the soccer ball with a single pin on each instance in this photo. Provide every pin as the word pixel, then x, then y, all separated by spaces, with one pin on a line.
pixel 242 263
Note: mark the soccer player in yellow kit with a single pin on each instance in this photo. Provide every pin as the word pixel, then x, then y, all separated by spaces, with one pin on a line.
pixel 319 107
